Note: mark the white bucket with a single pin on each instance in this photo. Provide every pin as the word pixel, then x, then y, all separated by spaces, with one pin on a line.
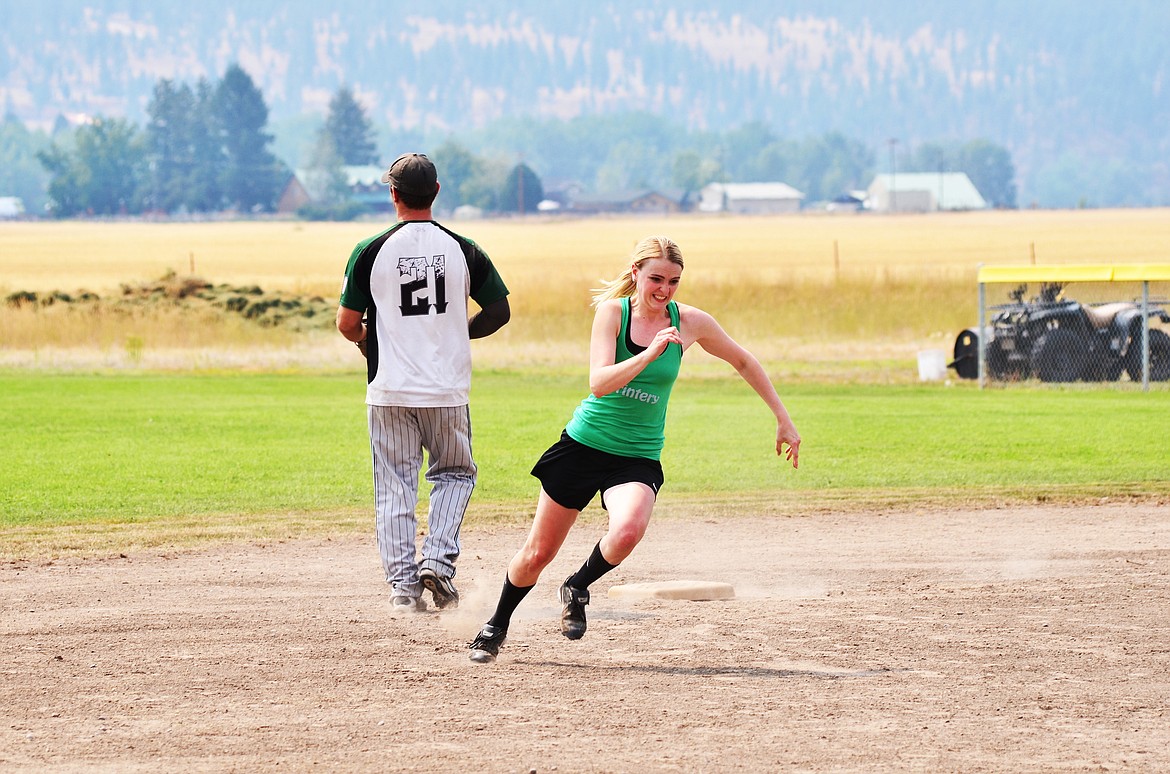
pixel 932 365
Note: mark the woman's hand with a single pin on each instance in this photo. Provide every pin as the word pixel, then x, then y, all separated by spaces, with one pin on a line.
pixel 607 375
pixel 662 340
pixel 786 435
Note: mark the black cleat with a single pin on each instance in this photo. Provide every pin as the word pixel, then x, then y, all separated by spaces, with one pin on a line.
pixel 442 589
pixel 573 616
pixel 486 645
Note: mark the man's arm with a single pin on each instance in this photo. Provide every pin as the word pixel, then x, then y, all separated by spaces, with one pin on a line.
pixel 349 323
pixel 489 319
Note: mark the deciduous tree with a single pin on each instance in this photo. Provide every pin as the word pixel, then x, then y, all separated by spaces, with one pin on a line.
pixel 101 174
pixel 325 178
pixel 458 169
pixel 20 173
pixel 991 169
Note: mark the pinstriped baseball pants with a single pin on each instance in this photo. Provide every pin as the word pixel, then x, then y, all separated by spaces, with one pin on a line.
pixel 398 436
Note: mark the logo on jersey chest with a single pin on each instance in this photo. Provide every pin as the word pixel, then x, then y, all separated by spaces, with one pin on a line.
pixel 424 285
pixel 638 395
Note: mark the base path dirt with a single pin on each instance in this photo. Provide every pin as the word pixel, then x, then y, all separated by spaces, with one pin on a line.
pixel 1025 639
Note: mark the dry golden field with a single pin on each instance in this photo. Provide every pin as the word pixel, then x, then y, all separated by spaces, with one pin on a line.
pixel 310 256
pixel 808 286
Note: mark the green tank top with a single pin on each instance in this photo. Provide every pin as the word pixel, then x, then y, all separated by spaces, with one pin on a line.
pixel 631 422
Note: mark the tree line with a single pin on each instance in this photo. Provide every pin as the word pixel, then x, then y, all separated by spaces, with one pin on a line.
pixel 204 149
pixel 207 148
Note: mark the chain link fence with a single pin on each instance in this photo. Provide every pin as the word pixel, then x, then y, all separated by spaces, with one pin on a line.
pixel 1069 324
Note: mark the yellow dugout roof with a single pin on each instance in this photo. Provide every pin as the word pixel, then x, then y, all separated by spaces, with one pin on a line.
pixel 1133 272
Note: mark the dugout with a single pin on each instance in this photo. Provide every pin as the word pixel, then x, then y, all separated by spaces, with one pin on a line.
pixel 1060 324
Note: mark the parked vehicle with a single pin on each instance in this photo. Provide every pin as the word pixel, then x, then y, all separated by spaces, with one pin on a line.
pixel 1059 340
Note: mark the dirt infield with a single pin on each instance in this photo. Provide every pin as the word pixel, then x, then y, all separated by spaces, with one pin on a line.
pixel 1028 639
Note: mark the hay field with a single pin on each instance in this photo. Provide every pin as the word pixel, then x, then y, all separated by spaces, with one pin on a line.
pixel 808 287
pixel 295 255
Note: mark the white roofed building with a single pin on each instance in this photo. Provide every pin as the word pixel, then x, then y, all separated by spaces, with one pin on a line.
pixel 923 192
pixel 11 207
pixel 750 198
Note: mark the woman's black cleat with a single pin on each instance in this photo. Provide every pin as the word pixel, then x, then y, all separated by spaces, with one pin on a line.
pixel 573 616
pixel 486 645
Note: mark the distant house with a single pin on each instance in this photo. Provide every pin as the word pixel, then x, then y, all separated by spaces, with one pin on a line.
pixel 364 185
pixel 854 201
pixel 750 198
pixel 628 202
pixel 562 191
pixel 293 196
pixel 467 212
pixel 924 192
pixel 11 207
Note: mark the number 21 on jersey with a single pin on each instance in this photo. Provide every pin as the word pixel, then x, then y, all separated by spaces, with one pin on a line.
pixel 424 284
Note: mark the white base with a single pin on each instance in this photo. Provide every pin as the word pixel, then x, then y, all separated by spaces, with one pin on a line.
pixel 680 589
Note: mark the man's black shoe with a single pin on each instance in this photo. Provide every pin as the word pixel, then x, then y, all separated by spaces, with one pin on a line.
pixel 442 589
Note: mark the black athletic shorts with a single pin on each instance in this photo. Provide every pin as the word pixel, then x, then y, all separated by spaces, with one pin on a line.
pixel 571 472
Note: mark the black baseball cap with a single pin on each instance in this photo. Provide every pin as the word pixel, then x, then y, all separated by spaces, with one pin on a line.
pixel 412 174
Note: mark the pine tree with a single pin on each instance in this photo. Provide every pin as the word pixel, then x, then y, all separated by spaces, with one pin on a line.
pixel 522 190
pixel 205 187
pixel 350 130
pixel 250 178
pixel 170 132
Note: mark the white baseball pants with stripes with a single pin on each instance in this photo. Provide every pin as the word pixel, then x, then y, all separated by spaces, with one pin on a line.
pixel 398 437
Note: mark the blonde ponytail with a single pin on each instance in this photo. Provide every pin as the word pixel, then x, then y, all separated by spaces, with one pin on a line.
pixel 619 287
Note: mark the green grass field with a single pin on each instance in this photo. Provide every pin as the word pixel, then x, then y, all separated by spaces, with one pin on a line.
pixel 109 451
pixel 157 449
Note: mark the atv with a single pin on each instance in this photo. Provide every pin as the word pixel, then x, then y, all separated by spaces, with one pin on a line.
pixel 1059 340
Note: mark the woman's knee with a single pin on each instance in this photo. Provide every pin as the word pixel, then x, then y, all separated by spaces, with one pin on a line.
pixel 534 558
pixel 622 539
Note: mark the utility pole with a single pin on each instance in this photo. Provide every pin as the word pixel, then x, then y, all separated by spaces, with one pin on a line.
pixel 893 176
pixel 941 182
pixel 520 185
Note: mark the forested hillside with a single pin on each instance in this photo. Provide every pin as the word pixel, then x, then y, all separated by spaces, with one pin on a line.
pixel 1075 89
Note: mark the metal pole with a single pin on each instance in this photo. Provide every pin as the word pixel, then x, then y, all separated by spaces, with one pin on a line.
pixel 893 177
pixel 519 189
pixel 1145 335
pixel 980 341
pixel 941 195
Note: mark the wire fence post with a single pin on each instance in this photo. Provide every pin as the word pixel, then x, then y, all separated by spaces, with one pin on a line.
pixel 981 339
pixel 1145 335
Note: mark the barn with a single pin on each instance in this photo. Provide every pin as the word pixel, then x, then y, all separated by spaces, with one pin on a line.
pixel 924 192
pixel 750 198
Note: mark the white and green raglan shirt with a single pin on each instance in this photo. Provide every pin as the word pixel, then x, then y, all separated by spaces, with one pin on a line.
pixel 412 282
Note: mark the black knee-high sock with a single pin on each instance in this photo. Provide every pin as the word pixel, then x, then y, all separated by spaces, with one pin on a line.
pixel 595 566
pixel 510 597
